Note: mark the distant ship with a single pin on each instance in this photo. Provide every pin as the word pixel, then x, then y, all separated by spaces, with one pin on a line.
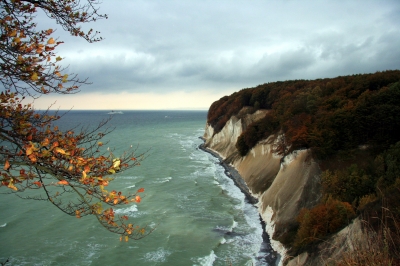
pixel 115 113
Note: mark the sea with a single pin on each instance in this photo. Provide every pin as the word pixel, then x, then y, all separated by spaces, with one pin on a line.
pixel 200 217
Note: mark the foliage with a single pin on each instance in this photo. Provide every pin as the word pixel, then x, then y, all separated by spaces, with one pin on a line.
pixel 348 185
pixel 321 221
pixel 372 190
pixel 34 154
pixel 326 115
pixel 260 129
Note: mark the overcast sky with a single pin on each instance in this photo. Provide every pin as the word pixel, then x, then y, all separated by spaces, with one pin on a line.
pixel 185 54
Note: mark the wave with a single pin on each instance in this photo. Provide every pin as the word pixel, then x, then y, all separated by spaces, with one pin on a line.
pixel 207 260
pixel 162 180
pixel 3 225
pixel 160 255
pixel 129 210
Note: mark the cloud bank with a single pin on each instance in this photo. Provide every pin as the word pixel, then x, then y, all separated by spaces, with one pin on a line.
pixel 218 47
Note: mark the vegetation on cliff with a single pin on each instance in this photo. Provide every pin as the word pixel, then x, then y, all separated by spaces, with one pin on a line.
pixel 327 115
pixel 351 125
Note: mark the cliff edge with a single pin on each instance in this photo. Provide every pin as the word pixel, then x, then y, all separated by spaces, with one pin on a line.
pixel 283 186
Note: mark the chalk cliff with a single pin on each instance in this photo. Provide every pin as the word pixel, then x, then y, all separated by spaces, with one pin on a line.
pixel 282 186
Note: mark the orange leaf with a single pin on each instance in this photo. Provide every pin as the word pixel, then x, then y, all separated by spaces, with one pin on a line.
pixel 140 190
pixel 63 182
pixel 115 201
pixel 7 165
pixel 51 41
pixel 13 33
pixel 33 158
pixel 87 168
pixel 45 142
pixel 37 183
pixel 138 199
pixel 29 150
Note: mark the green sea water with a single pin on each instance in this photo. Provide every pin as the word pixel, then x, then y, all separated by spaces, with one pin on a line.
pixel 200 216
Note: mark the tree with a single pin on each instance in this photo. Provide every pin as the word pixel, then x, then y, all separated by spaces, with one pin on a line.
pixel 34 154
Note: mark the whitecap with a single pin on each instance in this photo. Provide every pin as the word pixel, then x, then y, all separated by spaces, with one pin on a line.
pixel 160 255
pixel 162 180
pixel 234 224
pixel 129 210
pixel 3 225
pixel 207 260
pixel 131 186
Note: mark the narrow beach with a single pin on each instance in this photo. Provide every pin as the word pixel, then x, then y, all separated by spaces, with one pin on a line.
pixel 270 256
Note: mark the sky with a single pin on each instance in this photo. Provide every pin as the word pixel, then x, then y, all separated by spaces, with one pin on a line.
pixel 186 54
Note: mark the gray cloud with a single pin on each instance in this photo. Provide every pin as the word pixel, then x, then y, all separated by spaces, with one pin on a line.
pixel 161 46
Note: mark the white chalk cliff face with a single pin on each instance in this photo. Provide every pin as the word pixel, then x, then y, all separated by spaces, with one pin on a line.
pixel 283 188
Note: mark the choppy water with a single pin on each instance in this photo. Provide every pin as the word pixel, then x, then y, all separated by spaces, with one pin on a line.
pixel 201 217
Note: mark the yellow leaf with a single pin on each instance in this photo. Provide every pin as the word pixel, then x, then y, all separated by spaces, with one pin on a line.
pixel 58 58
pixel 126 238
pixel 34 77
pixel 111 171
pixel 51 41
pixel 59 150
pixel 65 78
pixel 11 185
pixel 116 163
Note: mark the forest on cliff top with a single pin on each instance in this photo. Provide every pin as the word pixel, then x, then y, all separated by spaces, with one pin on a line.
pixel 326 115
pixel 351 125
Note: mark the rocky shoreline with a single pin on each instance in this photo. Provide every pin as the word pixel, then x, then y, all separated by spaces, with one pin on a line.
pixel 272 256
